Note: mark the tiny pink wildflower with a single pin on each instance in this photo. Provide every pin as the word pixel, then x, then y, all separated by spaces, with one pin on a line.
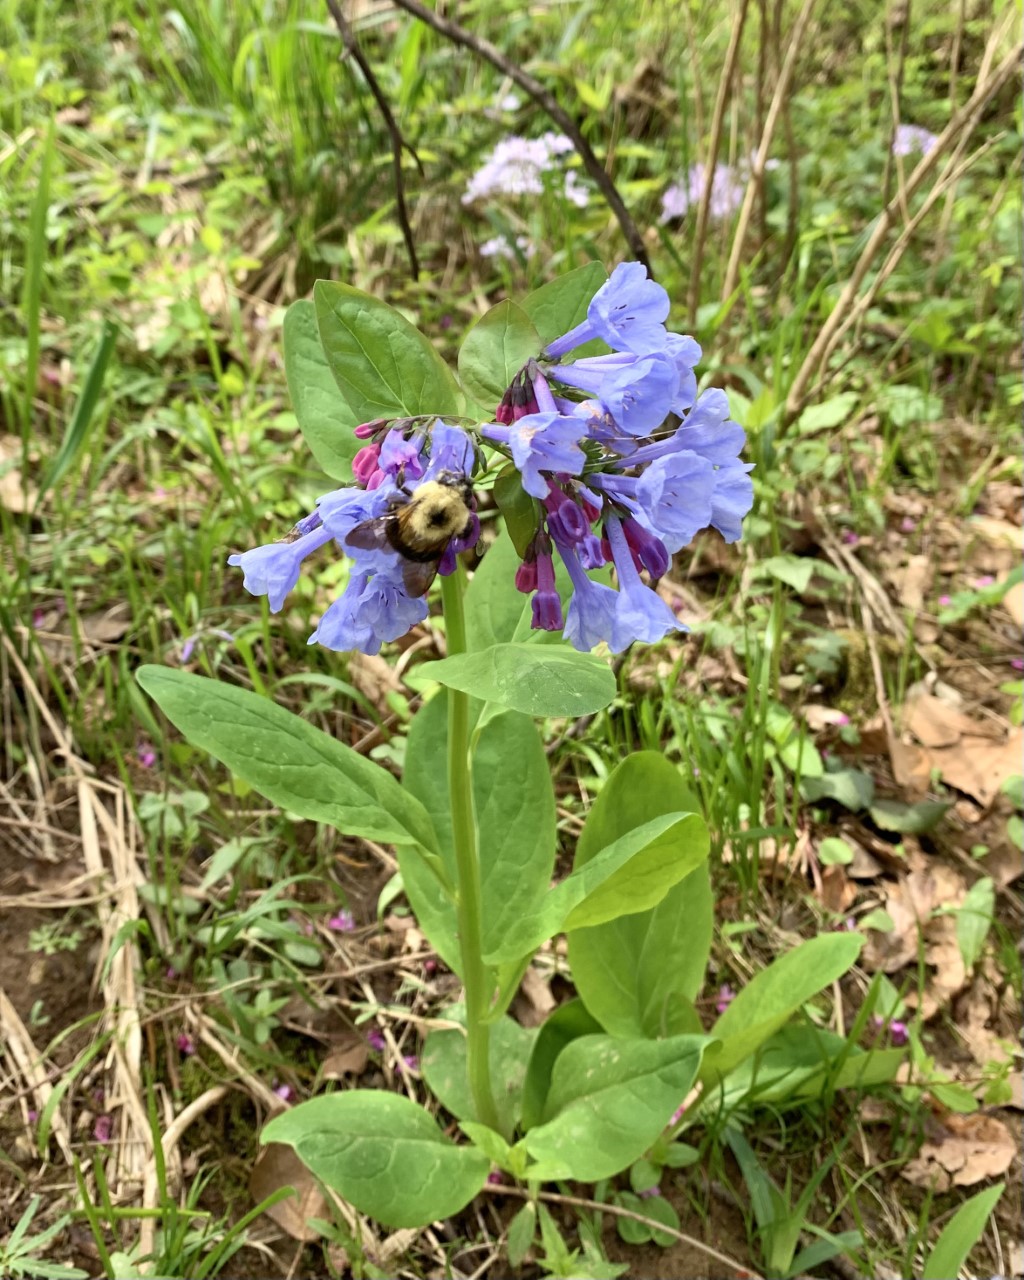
pixel 186 1045
pixel 945 600
pixel 283 1091
pixel 908 525
pixel 985 580
pixel 103 1129
pixel 726 996
pixel 145 754
pixel 650 1193
pixel 850 538
pixel 342 922
pixel 1017 664
pixel 375 1040
pixel 495 1180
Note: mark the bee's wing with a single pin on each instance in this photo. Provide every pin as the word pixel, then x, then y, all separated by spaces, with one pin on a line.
pixel 417 575
pixel 371 535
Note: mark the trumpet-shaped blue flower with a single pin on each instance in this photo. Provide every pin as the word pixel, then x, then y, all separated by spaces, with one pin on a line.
pixel 371 610
pixel 628 312
pixel 545 441
pixel 635 391
pixel 640 614
pixel 590 618
pixel 273 569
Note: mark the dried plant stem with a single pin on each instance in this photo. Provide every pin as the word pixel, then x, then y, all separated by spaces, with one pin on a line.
pixel 902 12
pixel 398 142
pixel 756 179
pixel 962 123
pixel 717 121
pixel 577 1202
pixel 548 103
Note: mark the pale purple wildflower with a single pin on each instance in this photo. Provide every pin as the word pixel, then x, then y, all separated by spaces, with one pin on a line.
pixel 516 167
pixel 283 1091
pixel 500 247
pixel 1017 664
pixel 343 922
pixel 850 538
pixel 145 754
pixel 726 996
pixel 103 1129
pixel 908 525
pixel 727 187
pixel 375 1040
pixel 945 600
pixel 912 137
pixel 186 1045
pixel 649 1193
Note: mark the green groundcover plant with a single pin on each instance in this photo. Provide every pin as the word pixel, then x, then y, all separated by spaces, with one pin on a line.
pixel 603 460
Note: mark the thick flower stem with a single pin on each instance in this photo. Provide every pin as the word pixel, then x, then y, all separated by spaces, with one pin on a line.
pixel 468 896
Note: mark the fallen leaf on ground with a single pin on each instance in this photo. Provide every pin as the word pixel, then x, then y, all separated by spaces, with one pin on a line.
pixel 348 1056
pixel 960 1151
pixel 1013 603
pixel 913 582
pixel 537 1001
pixel 278 1166
pixel 15 494
pixel 972 755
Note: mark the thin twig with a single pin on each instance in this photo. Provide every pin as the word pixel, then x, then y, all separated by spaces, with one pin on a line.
pixel 895 94
pixel 577 1202
pixel 398 142
pixel 761 159
pixel 548 103
pixel 724 84
pixel 962 122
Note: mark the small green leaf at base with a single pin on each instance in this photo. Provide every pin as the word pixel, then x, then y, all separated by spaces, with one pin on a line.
pixel 960 1234
pixel 540 680
pixel 383 1154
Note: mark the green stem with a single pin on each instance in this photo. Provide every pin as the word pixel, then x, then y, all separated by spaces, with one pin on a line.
pixel 475 975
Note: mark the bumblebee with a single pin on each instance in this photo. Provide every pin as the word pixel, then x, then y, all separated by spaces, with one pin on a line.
pixel 419 526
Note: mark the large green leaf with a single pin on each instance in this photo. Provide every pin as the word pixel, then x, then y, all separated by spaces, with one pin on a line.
pixel 632 874
pixel 443 1062
pixel 325 418
pixel 799 1062
pixel 382 363
pixel 561 305
pixel 515 811
pixel 494 351
pixel 774 995
pixel 540 680
pixel 631 972
pixel 960 1234
pixel 568 1022
pixel 383 1154
pixel 292 763
pixel 493 605
pixel 610 1099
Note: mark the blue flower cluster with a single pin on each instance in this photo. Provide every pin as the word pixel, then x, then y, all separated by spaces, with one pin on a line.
pixel 375 607
pixel 610 460
pixel 626 461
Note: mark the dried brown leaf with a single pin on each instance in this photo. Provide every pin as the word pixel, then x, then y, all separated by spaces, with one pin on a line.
pixel 962 1150
pixel 278 1166
pixel 347 1057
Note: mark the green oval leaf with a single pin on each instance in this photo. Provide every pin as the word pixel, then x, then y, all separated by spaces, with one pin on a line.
pixel 444 1066
pixel 610 1099
pixel 494 351
pixel 638 973
pixel 539 680
pixel 560 305
pixel 325 418
pixel 382 1153
pixel 519 509
pixel 384 366
pixel 632 874
pixel 774 995
pixel 292 763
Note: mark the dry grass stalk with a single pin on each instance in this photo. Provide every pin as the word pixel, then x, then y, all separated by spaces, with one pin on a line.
pixel 28 1060
pixel 964 121
pixel 756 179
pixel 711 163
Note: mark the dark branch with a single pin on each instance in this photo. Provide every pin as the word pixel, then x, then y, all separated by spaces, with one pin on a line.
pixel 398 143
pixel 547 102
